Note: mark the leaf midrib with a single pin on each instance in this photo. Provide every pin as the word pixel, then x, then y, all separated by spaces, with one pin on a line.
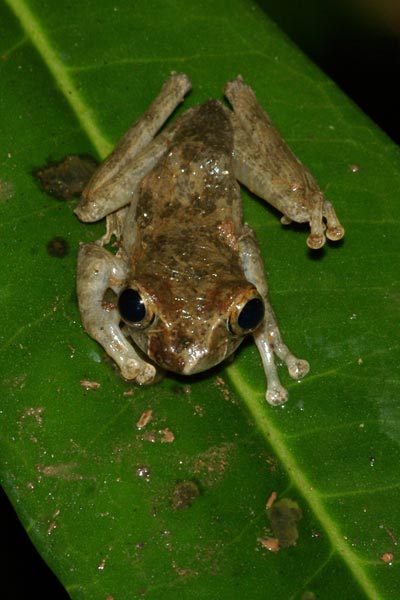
pixel 256 406
pixel 38 38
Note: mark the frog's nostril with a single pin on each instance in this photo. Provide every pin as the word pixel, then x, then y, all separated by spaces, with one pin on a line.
pixel 165 358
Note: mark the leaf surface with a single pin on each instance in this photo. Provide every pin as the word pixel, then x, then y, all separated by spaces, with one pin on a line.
pixel 96 493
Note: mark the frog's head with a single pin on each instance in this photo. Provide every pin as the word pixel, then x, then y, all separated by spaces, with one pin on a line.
pixel 193 331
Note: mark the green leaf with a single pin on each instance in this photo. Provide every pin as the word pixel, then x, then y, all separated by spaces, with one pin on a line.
pixel 178 507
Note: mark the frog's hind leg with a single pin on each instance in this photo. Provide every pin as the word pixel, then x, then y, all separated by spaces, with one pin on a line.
pixel 99 270
pixel 268 337
pixel 136 153
pixel 265 164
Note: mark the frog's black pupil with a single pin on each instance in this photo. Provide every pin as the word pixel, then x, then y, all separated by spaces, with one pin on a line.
pixel 251 314
pixel 131 306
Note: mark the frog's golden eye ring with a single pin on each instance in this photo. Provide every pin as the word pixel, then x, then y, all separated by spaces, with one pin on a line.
pixel 133 309
pixel 247 313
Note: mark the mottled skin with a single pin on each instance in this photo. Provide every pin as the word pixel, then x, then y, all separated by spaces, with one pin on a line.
pixel 173 201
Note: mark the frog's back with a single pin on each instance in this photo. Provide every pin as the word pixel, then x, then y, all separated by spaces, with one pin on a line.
pixel 193 182
pixel 207 128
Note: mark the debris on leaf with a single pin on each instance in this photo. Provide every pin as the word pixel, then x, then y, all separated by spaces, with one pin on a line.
pixel 184 494
pixel 308 596
pixel 128 392
pixel 387 557
pixel 144 419
pixel 164 436
pixel 68 178
pixel 89 385
pixel 167 436
pixel 284 515
pixel 271 544
pixel 58 247
pixel 271 500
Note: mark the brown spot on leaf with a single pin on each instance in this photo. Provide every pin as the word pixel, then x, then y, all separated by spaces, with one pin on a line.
pixel 58 247
pixel 184 494
pixel 67 178
pixel 387 557
pixel 271 544
pixel 89 385
pixel 284 515
pixel 144 419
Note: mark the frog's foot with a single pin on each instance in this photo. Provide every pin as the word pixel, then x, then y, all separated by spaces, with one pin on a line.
pixel 285 220
pixel 269 342
pixel 276 394
pixel 138 370
pixel 317 238
pixel 334 231
pixel 315 241
pixel 297 367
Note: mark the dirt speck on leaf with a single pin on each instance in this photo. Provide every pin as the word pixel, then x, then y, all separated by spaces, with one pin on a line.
pixel 34 413
pixel 271 544
pixel 212 464
pixel 68 178
pixel 58 247
pixel 184 494
pixel 89 385
pixel 387 557
pixel 308 596
pixel 144 419
pixel 284 515
pixel 272 497
pixel 64 471
pixel 165 436
pixel 6 191
pixel 183 572
pixel 223 388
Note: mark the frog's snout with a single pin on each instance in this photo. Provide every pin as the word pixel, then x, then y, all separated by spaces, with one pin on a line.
pixel 187 361
pixel 190 357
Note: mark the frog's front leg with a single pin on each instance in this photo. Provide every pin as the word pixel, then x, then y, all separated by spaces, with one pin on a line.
pixel 266 165
pixel 99 270
pixel 267 337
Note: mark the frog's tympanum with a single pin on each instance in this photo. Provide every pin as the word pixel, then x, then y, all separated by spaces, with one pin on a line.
pixel 188 276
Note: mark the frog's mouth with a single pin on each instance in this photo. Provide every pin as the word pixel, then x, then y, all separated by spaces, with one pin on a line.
pixel 194 357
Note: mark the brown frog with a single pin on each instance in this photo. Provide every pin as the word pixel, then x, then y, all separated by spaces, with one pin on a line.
pixel 188 275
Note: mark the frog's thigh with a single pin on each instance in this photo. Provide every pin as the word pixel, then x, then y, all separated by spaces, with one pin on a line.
pixel 99 270
pixel 116 192
pixel 268 337
pixel 259 148
pixel 109 187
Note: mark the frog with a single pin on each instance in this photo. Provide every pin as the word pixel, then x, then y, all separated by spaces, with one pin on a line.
pixel 187 277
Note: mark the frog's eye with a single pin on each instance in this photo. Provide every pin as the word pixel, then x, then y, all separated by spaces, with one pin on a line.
pixel 133 310
pixel 247 313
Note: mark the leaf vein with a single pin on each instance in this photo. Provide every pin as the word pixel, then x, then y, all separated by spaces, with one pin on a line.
pixel 35 33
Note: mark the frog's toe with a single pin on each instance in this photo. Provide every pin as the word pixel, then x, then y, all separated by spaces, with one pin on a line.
pixel 285 220
pixel 276 395
pixel 298 368
pixel 138 370
pixel 335 233
pixel 146 375
pixel 315 241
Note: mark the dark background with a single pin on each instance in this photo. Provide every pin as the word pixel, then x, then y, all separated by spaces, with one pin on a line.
pixel 357 43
